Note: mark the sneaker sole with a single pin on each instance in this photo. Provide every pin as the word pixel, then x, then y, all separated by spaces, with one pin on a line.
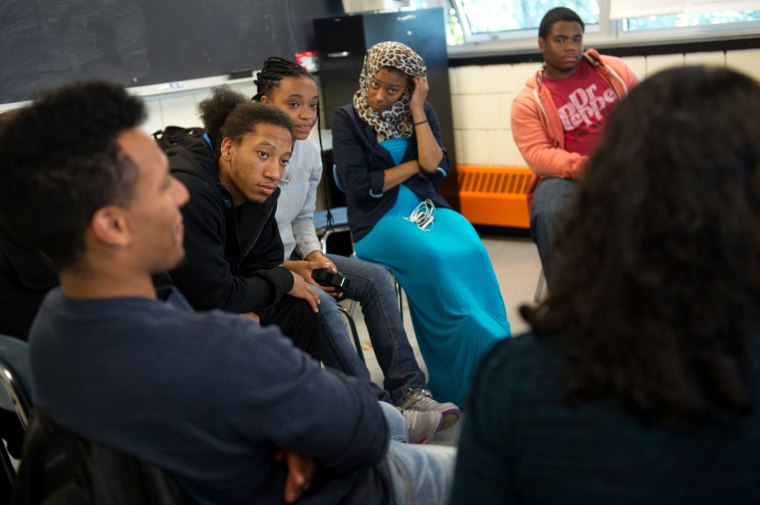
pixel 449 418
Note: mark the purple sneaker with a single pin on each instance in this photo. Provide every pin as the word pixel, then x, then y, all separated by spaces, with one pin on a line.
pixel 422 400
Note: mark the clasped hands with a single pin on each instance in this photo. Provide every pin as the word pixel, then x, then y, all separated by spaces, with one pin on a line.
pixel 300 473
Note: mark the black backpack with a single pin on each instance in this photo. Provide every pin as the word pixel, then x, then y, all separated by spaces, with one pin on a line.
pixel 177 135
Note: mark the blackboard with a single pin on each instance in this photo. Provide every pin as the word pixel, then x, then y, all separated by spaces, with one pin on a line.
pixel 45 43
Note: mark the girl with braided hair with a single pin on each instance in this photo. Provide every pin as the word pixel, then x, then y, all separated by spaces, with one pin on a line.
pixel 388 151
pixel 291 88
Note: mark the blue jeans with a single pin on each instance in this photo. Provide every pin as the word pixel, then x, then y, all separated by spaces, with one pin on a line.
pixel 547 216
pixel 421 474
pixel 397 429
pixel 371 286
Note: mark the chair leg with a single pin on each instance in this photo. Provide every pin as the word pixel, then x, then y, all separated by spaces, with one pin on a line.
pixel 9 469
pixel 354 332
pixel 540 287
pixel 350 305
pixel 400 293
pixel 323 241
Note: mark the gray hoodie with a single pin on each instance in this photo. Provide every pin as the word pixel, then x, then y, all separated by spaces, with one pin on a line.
pixel 298 196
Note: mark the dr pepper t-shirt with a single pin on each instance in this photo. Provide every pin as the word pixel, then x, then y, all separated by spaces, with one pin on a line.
pixel 583 101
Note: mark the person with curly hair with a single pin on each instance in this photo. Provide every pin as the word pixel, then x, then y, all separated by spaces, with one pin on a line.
pixel 640 380
pixel 388 150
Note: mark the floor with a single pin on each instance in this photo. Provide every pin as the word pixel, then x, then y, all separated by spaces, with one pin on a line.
pixel 517 268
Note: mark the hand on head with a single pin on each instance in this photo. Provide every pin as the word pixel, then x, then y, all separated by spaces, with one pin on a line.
pixel 420 93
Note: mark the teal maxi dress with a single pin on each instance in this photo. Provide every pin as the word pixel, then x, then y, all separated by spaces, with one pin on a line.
pixel 454 298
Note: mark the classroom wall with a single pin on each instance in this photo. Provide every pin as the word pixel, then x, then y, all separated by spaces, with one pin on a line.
pixel 481 99
pixel 178 108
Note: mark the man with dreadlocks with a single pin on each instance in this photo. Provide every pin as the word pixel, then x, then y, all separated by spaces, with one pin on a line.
pixel 291 88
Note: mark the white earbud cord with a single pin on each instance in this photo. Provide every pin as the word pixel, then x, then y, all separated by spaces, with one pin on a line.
pixel 423 215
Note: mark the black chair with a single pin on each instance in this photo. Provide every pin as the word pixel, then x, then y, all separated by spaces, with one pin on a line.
pixel 16 395
pixel 329 221
pixel 59 467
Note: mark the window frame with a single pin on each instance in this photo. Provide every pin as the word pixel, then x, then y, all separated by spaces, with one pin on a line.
pixel 608 33
pixel 458 7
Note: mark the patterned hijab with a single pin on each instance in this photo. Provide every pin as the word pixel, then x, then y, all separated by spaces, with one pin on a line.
pixel 396 121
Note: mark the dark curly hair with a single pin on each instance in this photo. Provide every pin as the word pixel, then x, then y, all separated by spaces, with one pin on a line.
pixel 229 113
pixel 558 14
pixel 657 283
pixel 274 70
pixel 61 163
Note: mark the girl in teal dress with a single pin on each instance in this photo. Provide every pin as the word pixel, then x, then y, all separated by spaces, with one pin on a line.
pixel 389 155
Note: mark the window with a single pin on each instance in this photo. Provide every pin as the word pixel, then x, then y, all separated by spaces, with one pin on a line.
pixel 684 19
pixel 481 21
pixel 489 20
pixel 638 15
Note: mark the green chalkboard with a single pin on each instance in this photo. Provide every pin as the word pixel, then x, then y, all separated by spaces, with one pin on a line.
pixel 44 43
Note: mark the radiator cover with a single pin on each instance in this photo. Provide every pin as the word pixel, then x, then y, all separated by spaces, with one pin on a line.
pixel 494 195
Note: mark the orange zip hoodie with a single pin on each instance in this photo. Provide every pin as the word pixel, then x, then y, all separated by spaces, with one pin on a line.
pixel 537 127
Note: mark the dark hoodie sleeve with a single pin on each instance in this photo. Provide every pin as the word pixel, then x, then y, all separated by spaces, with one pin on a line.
pixel 205 277
pixel 268 250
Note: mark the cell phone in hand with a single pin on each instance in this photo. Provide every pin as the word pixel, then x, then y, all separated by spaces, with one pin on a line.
pixel 326 277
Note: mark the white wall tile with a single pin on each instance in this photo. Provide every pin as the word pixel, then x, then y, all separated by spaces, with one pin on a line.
pixel 459 111
pixel 155 119
pixel 521 72
pixel 485 113
pixel 453 88
pixel 248 88
pixel 747 61
pixel 468 117
pixel 470 80
pixel 497 78
pixel 199 96
pixel 715 58
pixel 459 146
pixel 474 148
pixel 502 149
pixel 179 111
pixel 663 61
pixel 638 64
pixel 505 110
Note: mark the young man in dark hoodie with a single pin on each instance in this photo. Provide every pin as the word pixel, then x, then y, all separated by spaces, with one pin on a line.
pixel 233 246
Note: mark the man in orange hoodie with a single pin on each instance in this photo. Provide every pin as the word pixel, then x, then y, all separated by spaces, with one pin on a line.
pixel 559 117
